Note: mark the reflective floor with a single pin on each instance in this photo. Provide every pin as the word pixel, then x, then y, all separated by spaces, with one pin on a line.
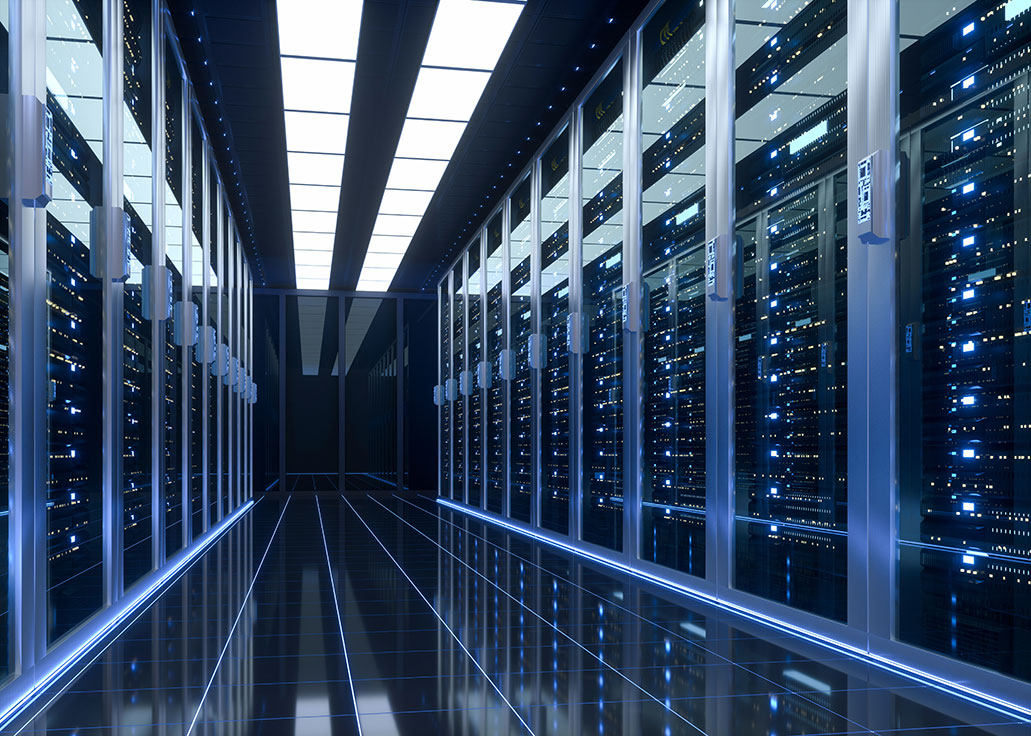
pixel 308 610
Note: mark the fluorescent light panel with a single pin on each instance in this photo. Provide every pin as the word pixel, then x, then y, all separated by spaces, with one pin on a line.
pixel 314 168
pixel 447 94
pixel 306 221
pixel 456 68
pixel 435 139
pixel 470 34
pixel 317 85
pixel 315 132
pixel 409 173
pixel 324 199
pixel 405 202
pixel 319 28
pixel 318 45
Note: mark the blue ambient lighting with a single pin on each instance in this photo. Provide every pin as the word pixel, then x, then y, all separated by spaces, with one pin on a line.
pixel 955 689
pixel 968 29
pixel 142 597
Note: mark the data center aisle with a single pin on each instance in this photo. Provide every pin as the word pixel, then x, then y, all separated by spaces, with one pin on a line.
pixel 431 622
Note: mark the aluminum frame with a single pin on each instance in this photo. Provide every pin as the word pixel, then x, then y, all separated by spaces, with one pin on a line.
pixel 31 657
pixel 872 454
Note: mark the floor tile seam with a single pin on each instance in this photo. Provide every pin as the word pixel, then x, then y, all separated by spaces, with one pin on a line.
pixel 511 597
pixel 638 616
pixel 243 606
pixel 340 624
pixel 430 606
pixel 178 580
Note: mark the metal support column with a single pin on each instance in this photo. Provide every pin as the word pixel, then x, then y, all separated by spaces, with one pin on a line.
pixel 872 345
pixel 576 311
pixel 205 320
pixel 633 409
pixel 28 356
pixel 719 314
pixel 402 355
pixel 111 252
pixel 157 249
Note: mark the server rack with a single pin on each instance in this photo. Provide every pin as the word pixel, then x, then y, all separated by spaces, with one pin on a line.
pixel 761 550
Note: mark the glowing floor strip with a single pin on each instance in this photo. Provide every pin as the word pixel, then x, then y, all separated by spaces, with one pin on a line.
pixel 977 697
pixel 340 623
pixel 440 618
pixel 543 620
pixel 243 606
pixel 60 669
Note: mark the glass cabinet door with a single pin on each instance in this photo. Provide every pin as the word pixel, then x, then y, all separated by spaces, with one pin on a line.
pixel 791 333
pixel 554 259
pixel 197 376
pixel 213 267
pixel 74 504
pixel 137 328
pixel 458 364
pixel 521 326
pixel 964 554
pixel 495 406
pixel 475 310
pixel 173 369
pixel 5 358
pixel 444 306
pixel 673 262
pixel 602 365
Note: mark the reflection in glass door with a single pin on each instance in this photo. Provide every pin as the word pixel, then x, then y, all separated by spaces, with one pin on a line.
pixel 602 365
pixel 474 388
pixel 173 369
pixel 554 314
pixel 791 513
pixel 444 322
pixel 521 399
pixel 74 502
pixel 672 254
pixel 458 366
pixel 790 313
pixel 964 555
pixel 137 334
pixel 495 406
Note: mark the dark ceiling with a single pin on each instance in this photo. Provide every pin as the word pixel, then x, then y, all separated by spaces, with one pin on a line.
pixel 231 48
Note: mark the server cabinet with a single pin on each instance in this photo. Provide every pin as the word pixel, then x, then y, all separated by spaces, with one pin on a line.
pixel 496 449
pixel 602 279
pixel 193 260
pixel 673 479
pixel 790 495
pixel 444 368
pixel 458 367
pixel 554 315
pixel 964 581
pixel 474 386
pixel 137 346
pixel 172 369
pixel 521 327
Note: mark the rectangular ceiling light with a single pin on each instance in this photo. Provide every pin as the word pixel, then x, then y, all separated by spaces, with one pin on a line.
pixel 323 258
pixel 315 168
pixel 396 225
pixel 319 28
pixel 318 85
pixel 436 139
pixel 411 173
pixel 312 132
pixel 307 221
pixel 465 43
pixel 470 34
pixel 388 244
pixel 447 94
pixel 318 46
pixel 325 199
pixel 405 202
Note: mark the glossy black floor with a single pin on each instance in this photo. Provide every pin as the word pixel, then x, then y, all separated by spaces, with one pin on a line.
pixel 434 624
